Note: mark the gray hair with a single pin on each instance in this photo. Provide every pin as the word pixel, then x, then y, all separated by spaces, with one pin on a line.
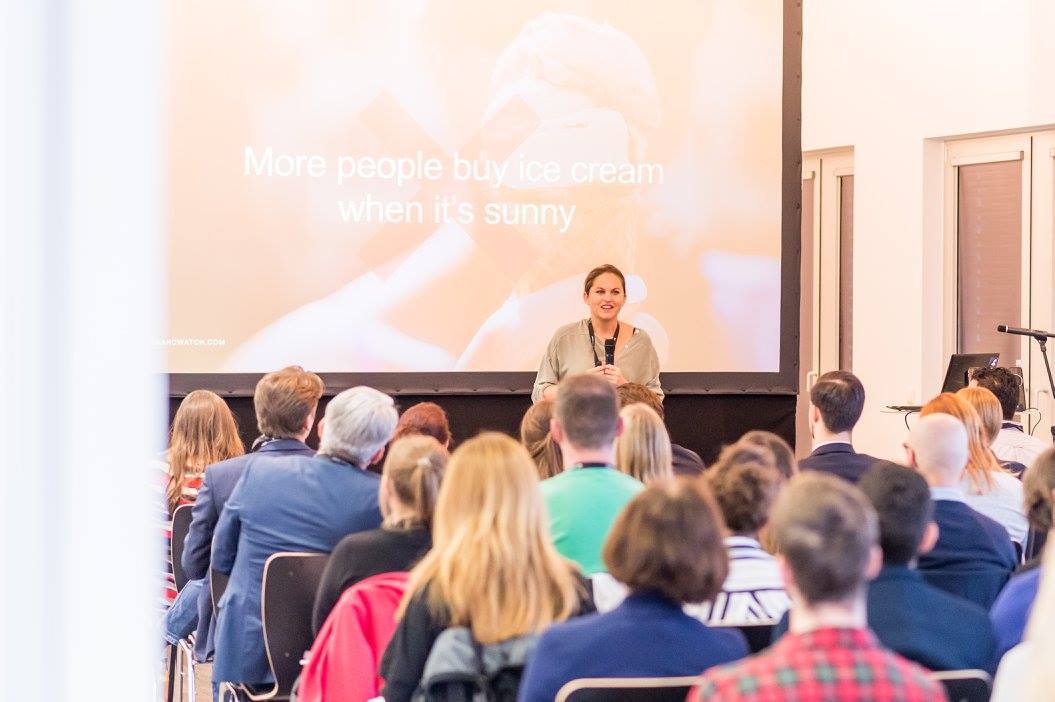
pixel 358 423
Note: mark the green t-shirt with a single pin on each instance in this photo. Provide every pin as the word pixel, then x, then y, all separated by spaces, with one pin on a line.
pixel 582 505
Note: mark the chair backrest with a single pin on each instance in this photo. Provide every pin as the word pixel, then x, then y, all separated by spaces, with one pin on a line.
pixel 217 584
pixel 181 519
pixel 965 685
pixel 286 600
pixel 758 636
pixel 627 689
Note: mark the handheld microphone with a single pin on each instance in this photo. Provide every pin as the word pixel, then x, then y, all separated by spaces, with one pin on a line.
pixel 1035 333
pixel 609 351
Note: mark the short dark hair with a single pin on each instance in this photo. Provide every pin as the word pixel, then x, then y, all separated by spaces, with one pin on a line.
pixel 601 270
pixel 1002 383
pixel 840 397
pixel 668 539
pixel 825 530
pixel 745 493
pixel 588 411
pixel 629 393
pixel 902 502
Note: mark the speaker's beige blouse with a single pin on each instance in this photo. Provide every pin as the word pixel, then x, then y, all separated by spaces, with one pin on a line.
pixel 569 353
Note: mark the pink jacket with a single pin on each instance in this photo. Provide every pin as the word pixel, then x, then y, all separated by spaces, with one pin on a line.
pixel 342 664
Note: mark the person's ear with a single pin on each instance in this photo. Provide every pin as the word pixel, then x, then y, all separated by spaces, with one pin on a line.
pixel 555 431
pixel 930 537
pixel 619 427
pixel 309 421
pixel 788 576
pixel 586 298
pixel 910 457
pixel 376 457
pixel 320 430
pixel 875 562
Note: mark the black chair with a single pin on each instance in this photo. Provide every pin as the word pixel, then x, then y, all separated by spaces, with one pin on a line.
pixel 217 584
pixel 627 689
pixel 1034 545
pixel 181 519
pixel 759 636
pixel 965 685
pixel 286 601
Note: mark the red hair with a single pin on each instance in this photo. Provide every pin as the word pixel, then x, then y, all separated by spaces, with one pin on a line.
pixel 424 418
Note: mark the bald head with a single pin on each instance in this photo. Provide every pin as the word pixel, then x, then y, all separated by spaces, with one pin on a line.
pixel 938 447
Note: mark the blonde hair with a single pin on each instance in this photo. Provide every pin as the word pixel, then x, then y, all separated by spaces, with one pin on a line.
pixel 493 566
pixel 643 450
pixel 981 462
pixel 987 406
pixel 203 432
pixel 413 470
pixel 535 436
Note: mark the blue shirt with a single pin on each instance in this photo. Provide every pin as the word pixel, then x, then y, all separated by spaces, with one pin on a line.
pixel 645 636
pixel 1011 610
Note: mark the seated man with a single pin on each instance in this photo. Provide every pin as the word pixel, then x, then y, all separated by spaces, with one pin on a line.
pixel 583 501
pixel 973 556
pixel 295 503
pixel 836 402
pixel 826 538
pixel 919 621
pixel 1012 444
pixel 286 402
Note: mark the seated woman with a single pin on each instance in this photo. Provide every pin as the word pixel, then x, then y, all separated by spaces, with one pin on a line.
pixel 753 592
pixel 643 450
pixel 410 482
pixel 534 435
pixel 988 407
pixel 1011 610
pixel 204 432
pixel 987 487
pixel 666 547
pixel 492 568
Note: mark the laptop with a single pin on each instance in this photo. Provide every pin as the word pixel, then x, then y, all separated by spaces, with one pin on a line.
pixel 958 374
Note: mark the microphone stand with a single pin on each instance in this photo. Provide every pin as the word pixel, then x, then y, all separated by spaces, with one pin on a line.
pixel 1043 342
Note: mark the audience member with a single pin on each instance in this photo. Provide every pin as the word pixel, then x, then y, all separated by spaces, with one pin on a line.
pixel 294 503
pixel 1012 607
pixel 492 567
pixel 203 432
pixel 1013 443
pixel 665 548
pixel 753 591
pixel 836 402
pixel 922 623
pixel 410 482
pixel 987 487
pixel 642 451
pixel 585 498
pixel 684 461
pixel 1026 673
pixel 783 455
pixel 991 415
pixel 826 536
pixel 285 403
pixel 535 436
pixel 427 419
pixel 973 556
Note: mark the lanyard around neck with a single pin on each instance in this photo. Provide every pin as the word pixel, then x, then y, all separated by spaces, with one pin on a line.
pixel 593 340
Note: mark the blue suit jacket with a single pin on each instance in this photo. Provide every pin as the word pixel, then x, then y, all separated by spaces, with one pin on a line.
pixel 924 624
pixel 217 486
pixel 282 503
pixel 840 460
pixel 973 557
pixel 645 636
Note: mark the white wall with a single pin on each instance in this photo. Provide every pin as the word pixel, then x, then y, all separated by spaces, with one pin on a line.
pixel 891 79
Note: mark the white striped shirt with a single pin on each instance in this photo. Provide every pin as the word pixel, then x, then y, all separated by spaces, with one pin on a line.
pixel 753 592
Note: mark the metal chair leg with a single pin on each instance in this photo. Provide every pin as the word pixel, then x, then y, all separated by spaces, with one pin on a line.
pixel 171 685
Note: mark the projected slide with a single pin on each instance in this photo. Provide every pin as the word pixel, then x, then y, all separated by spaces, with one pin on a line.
pixel 371 185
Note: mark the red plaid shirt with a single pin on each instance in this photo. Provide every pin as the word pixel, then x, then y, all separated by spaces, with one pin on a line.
pixel 826 665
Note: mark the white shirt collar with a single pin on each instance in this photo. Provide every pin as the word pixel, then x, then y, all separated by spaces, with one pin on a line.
pixel 954 494
pixel 830 443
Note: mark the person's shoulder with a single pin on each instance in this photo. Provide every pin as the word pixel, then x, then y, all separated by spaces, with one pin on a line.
pixel 1022 585
pixel 1008 483
pixel 913 675
pixel 576 328
pixel 943 605
pixel 722 682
